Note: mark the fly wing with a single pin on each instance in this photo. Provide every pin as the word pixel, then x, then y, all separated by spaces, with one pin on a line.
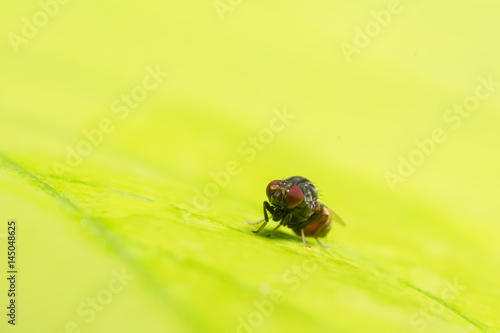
pixel 335 217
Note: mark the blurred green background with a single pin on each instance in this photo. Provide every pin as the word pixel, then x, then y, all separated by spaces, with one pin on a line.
pixel 109 164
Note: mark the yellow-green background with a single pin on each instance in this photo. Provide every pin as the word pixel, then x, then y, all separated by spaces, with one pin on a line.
pixel 129 204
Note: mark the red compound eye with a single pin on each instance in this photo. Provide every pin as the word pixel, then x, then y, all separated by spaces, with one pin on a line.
pixel 294 197
pixel 269 190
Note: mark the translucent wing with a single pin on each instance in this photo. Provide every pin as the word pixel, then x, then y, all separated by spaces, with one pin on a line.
pixel 336 218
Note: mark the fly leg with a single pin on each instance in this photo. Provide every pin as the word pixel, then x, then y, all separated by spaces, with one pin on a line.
pixel 279 225
pixel 261 227
pixel 267 207
pixel 254 223
pixel 284 221
pixel 304 238
pixel 320 231
pixel 324 246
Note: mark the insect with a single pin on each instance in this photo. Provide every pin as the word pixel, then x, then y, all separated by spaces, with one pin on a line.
pixel 293 202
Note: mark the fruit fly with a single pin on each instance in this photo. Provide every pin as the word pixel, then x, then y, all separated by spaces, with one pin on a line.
pixel 293 202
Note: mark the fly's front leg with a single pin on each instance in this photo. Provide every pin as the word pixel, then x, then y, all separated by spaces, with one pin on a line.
pixel 267 207
pixel 279 225
pixel 284 221
pixel 254 223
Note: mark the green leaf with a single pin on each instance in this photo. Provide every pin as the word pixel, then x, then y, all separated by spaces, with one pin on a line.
pixel 131 213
